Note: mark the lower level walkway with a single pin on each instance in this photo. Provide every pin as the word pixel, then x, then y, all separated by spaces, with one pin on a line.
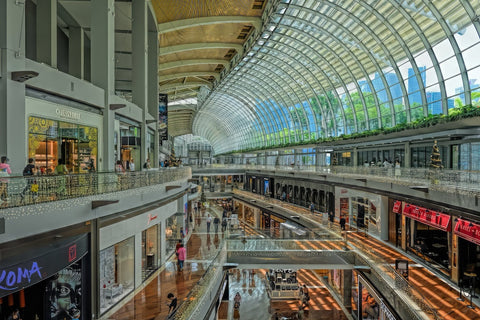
pixel 150 302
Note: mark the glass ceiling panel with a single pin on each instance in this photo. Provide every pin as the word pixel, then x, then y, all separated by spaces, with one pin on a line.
pixel 294 86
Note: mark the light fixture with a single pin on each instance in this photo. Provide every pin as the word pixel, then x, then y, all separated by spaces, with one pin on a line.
pixel 22 76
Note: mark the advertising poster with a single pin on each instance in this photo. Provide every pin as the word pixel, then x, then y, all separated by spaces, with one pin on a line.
pixel 162 117
pixel 64 294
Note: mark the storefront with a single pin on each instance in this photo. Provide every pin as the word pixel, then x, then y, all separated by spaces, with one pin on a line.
pixel 271 223
pixel 250 216
pixel 117 272
pixel 172 234
pixel 59 134
pixel 466 252
pixel 130 145
pixel 368 303
pixel 53 285
pixel 427 235
pixel 150 249
pixel 363 211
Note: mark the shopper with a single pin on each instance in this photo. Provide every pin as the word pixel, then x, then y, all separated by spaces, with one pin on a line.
pixel 173 303
pixel 182 253
pixel 342 222
pixel 132 165
pixel 179 243
pixel 237 300
pixel 5 171
pixel 15 315
pixel 216 222
pixel 224 224
pixel 146 165
pixel 29 171
pixel 312 208
pixel 209 221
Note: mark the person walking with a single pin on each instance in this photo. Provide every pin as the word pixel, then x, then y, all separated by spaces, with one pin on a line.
pixel 216 222
pixel 209 221
pixel 28 171
pixel 312 208
pixel 179 243
pixel 224 224
pixel 236 306
pixel 173 303
pixel 342 222
pixel 182 254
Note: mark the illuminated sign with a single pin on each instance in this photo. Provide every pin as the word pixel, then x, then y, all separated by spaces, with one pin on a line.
pixel 11 279
pixel 67 114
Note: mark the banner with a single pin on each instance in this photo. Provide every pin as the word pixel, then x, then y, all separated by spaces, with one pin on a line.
pixel 162 117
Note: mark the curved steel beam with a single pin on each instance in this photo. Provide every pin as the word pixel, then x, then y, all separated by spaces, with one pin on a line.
pixel 175 86
pixel 202 21
pixel 192 74
pixel 199 46
pixel 192 62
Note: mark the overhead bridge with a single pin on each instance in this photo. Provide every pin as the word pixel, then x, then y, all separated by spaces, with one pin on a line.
pixel 290 254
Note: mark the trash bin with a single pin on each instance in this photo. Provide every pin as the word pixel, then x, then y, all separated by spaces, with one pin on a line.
pixel 401 266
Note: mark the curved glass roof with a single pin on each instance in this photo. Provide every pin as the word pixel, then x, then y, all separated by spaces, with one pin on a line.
pixel 327 68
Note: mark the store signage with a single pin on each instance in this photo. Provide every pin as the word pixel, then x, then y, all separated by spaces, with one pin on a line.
pixel 397 206
pixel 429 217
pixel 13 278
pixel 468 230
pixel 67 114
pixel 38 268
pixel 151 218
pixel 72 253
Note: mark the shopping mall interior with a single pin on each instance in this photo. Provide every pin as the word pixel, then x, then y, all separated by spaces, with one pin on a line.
pixel 239 159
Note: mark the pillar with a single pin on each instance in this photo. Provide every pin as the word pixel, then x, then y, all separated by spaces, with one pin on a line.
pixel 408 156
pixel 347 289
pixel 102 40
pixel 152 75
pixel 76 49
pixel 139 68
pixel 13 136
pixel 47 32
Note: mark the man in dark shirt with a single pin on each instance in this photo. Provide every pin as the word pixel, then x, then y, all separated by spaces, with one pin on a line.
pixel 29 170
pixel 173 303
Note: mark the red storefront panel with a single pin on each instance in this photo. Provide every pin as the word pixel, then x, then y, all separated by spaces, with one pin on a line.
pixel 468 230
pixel 397 206
pixel 429 217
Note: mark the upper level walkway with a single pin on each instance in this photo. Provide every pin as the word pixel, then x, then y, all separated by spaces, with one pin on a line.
pixel 21 191
pixel 443 180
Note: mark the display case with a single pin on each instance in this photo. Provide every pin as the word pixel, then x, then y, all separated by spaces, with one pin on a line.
pixel 282 284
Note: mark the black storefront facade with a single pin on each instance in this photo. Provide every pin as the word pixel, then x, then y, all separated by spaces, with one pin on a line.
pixel 48 282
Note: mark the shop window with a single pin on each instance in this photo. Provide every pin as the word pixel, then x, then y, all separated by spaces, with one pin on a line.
pixel 50 141
pixel 150 251
pixel 117 272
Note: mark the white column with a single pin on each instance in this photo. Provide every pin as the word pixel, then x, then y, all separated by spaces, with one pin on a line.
pixel 76 46
pixel 139 67
pixel 152 75
pixel 13 131
pixel 47 32
pixel 103 70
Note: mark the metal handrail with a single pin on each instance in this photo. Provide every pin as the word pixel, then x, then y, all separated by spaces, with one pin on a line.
pixel 444 180
pixel 28 190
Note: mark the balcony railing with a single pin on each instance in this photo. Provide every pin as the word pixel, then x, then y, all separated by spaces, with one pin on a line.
pixel 21 191
pixel 444 180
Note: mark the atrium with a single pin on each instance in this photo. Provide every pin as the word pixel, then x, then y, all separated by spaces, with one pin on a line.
pixel 296 149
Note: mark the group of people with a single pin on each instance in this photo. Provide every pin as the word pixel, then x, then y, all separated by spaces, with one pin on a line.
pixel 387 163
